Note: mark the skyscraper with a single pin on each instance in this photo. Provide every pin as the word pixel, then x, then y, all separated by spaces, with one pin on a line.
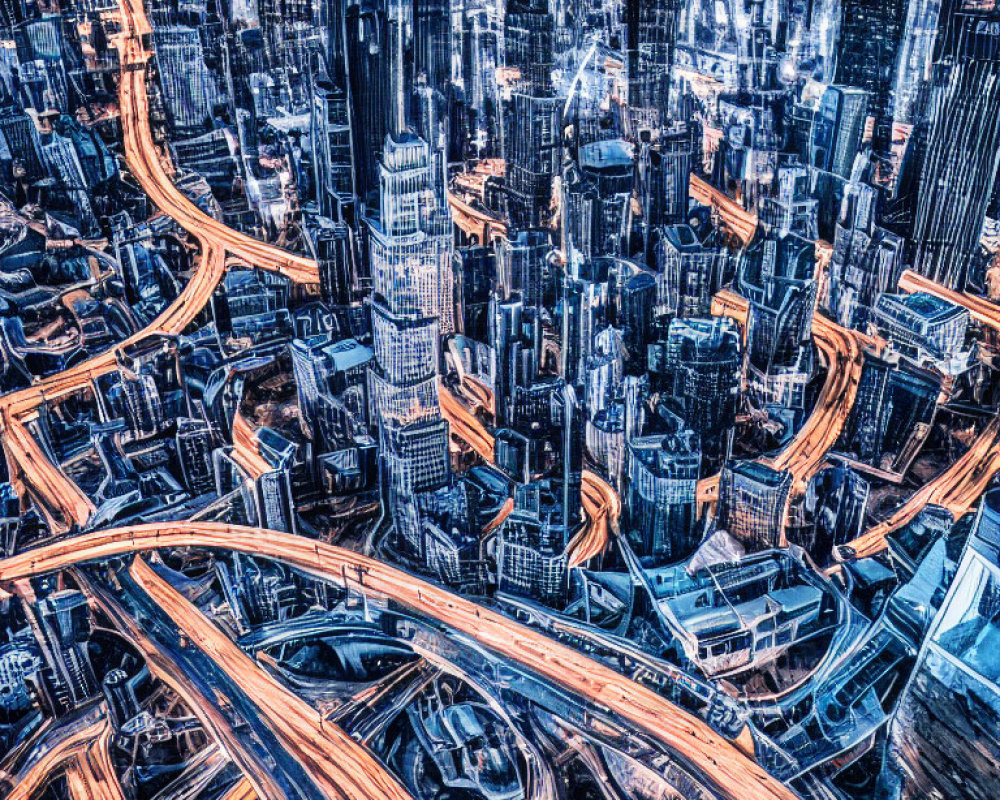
pixel 777 278
pixel 838 128
pixel 533 115
pixel 870 35
pixel 963 143
pixel 663 475
pixel 944 740
pixel 411 262
pixel 752 503
pixel 650 33
pixel 698 370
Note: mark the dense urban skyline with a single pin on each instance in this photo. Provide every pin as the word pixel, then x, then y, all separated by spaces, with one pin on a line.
pixel 468 400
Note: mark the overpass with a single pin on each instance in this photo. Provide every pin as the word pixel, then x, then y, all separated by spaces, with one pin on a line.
pixel 732 773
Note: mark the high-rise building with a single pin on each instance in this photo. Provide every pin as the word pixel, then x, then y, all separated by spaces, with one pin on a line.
pixel 663 172
pixel 867 259
pixel 777 279
pixel 753 500
pixel 333 245
pixel 533 155
pixel 412 303
pixel 867 48
pixel 689 271
pixel 636 302
pixel 698 370
pixel 924 328
pixel 963 143
pixel 663 475
pixel 793 209
pixel 366 66
pixel 22 141
pixel 522 265
pixel 943 739
pixel 65 623
pixel 837 129
pixel 649 36
pixel 194 442
pixel 596 191
pixel 330 139
pixel 189 89
pixel 531 546
pixel 891 415
pixel 516 334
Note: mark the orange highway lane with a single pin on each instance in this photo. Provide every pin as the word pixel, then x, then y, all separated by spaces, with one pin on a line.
pixel 62 502
pixel 168 672
pixel 958 488
pixel 246 453
pixel 64 752
pixel 722 763
pixel 144 160
pixel 241 790
pixel 91 775
pixel 340 766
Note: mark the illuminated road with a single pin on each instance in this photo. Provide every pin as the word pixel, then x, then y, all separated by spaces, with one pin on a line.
pixel 718 760
pixel 61 502
pixel 338 765
pixel 145 162
pixel 246 453
pixel 162 665
pixel 958 488
pixel 242 790
pixel 91 775
pixel 734 218
pixel 68 748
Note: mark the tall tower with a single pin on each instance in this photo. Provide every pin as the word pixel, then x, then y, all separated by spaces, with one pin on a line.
pixel 963 145
pixel 411 258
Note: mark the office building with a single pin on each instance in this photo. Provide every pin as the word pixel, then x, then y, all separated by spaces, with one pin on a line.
pixel 838 128
pixel 194 442
pixel 65 623
pixel 596 190
pixel 753 500
pixel 663 471
pixel 689 271
pixel 891 415
pixel 776 276
pixel 330 139
pixel 189 89
pixel 516 334
pixel 869 40
pixel 533 156
pixel 531 546
pixel 523 266
pixel 924 328
pixel 649 35
pixel 943 740
pixel 867 258
pixel 962 151
pixel 698 369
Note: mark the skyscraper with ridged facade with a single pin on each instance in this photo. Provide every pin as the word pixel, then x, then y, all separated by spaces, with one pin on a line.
pixel 411 261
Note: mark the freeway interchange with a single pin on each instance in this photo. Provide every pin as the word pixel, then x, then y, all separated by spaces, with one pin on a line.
pixel 335 763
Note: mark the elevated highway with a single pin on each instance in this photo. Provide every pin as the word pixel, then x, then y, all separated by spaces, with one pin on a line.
pixel 723 764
